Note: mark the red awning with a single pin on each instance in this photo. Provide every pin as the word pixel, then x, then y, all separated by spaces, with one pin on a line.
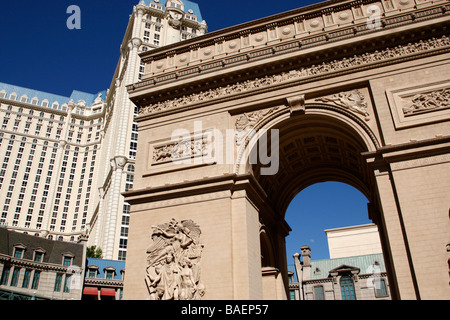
pixel 89 291
pixel 108 292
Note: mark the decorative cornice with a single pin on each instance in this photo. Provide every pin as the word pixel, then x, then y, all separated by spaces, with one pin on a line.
pixel 387 19
pixel 33 106
pixel 328 68
pixel 32 264
pixel 233 32
pixel 104 282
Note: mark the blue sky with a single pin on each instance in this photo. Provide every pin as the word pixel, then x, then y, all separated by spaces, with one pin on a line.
pixel 320 207
pixel 38 51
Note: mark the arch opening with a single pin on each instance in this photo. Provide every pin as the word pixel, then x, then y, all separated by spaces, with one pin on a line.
pixel 313 149
pixel 319 207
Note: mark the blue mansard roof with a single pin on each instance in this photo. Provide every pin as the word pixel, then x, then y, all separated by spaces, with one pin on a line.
pixel 76 96
pixel 366 264
pixel 102 264
pixel 371 263
pixel 188 5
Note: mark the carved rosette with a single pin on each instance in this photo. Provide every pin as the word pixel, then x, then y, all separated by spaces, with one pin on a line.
pixel 174 257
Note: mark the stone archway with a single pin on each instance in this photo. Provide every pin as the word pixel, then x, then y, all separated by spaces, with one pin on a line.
pixel 320 143
pixel 356 104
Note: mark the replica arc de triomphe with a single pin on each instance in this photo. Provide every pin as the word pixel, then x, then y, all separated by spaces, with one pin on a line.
pixel 233 124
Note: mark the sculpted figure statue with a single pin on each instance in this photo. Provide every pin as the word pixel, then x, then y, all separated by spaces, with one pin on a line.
pixel 173 270
pixel 353 101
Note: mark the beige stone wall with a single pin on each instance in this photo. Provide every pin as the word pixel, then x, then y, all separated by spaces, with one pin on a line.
pixel 291 73
pixel 423 186
pixel 230 234
pixel 353 241
pixel 162 132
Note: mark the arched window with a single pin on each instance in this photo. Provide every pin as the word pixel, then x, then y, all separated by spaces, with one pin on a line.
pixel 34 101
pixel 347 288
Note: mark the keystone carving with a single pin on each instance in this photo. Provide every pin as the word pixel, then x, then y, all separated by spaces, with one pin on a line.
pixel 297 104
pixel 173 271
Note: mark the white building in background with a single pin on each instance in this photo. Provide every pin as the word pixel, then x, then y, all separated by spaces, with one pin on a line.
pixel 355 270
pixel 353 241
pixel 65 161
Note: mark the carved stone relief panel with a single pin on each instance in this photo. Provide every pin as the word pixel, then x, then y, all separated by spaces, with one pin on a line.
pixel 353 101
pixel 184 149
pixel 199 148
pixel 420 104
pixel 173 269
pixel 246 123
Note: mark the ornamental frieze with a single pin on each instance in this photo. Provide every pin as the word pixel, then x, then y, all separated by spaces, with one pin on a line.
pixel 298 74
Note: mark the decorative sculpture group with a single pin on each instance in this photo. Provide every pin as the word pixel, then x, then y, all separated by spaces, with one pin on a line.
pixel 427 102
pixel 173 271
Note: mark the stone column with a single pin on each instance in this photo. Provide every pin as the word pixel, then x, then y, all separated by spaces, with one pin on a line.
pixel 391 220
pixel 246 248
pixel 229 222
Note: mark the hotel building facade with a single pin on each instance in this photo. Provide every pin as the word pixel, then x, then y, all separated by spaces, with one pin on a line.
pixel 65 161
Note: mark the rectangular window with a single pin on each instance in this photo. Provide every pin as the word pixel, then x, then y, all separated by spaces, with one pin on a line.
pixel 380 288
pixel 122 255
pixel 156 39
pixel 292 295
pixel 58 281
pixel 5 276
pixel 67 282
pixel 35 284
pixel 123 243
pixel 318 293
pixel 347 288
pixel 109 274
pixel 18 253
pixel 67 261
pixel 26 278
pixel 15 277
pixel 38 257
pixel 124 232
